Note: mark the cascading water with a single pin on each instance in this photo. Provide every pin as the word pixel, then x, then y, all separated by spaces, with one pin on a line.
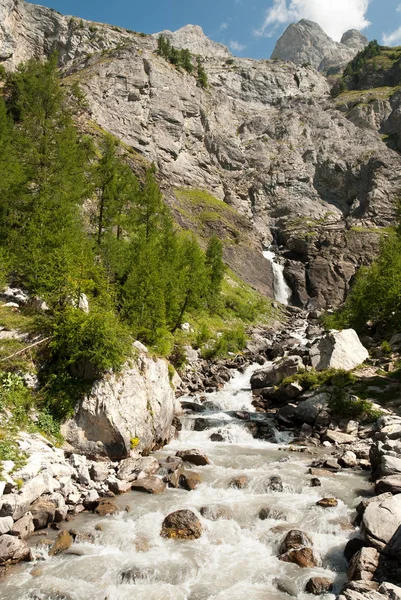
pixel 237 555
pixel 282 292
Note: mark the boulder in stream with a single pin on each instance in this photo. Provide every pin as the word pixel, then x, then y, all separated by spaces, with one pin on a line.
pixel 276 372
pixel 13 550
pixel 189 480
pixel 240 482
pixel 216 512
pixel 182 525
pixel 293 540
pixel 327 503
pixel 195 457
pixel 63 542
pixel 150 485
pixel 364 564
pixel 382 525
pixel 319 585
pixel 303 557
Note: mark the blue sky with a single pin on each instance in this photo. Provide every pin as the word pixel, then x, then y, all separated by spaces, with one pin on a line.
pixel 249 27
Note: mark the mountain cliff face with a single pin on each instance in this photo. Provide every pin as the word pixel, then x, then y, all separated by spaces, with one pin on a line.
pixel 306 43
pixel 265 137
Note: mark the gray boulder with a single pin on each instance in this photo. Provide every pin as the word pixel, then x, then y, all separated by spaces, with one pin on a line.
pixel 131 409
pixel 382 525
pixel 276 372
pixel 12 549
pixel 338 350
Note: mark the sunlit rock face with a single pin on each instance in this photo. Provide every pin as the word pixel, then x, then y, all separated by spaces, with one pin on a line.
pixel 265 137
pixel 306 43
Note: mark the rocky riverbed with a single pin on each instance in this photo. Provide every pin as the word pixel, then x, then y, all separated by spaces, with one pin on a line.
pixel 266 490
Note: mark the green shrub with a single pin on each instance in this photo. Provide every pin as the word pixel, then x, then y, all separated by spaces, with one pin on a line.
pixel 231 341
pixel 344 405
pixel 97 337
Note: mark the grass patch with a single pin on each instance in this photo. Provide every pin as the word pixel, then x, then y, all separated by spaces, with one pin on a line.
pixel 206 214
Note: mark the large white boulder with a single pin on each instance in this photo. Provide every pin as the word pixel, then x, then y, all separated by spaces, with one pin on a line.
pixel 130 410
pixel 338 350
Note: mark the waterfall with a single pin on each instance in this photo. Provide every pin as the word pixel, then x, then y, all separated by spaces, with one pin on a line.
pixel 282 292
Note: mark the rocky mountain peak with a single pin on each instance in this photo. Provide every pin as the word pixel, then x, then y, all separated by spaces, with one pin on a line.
pixel 354 39
pixel 193 38
pixel 306 42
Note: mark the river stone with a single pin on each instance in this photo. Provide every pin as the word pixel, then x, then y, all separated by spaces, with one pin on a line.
pixel 364 564
pixel 353 546
pixel 195 457
pixel 338 350
pixel 63 542
pixel 216 512
pixel 276 372
pixel 240 482
pixel 319 585
pixel 315 482
pixel 99 471
pixel 391 591
pixel 382 524
pixel 150 485
pixel 43 512
pixel 24 527
pixel 309 410
pixel 390 465
pixel 189 480
pixel 338 437
pixel 303 557
pixel 13 549
pixel 327 503
pixel 321 472
pixel 294 540
pixel 348 460
pixel 6 524
pixel 388 484
pixel 106 507
pixel 133 468
pixel 361 590
pixel 274 484
pixel 182 525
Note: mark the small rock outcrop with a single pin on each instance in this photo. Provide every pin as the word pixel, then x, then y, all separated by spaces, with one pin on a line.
pixel 131 409
pixel 306 43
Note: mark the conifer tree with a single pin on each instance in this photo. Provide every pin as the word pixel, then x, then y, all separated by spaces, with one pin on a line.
pixel 215 270
pixel 47 240
pixel 186 60
pixel 201 74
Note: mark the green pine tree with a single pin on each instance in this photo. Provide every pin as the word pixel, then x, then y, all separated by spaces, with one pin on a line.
pixel 215 270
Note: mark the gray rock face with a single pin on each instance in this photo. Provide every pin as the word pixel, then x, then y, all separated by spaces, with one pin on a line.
pixel 133 409
pixel 193 38
pixel 264 137
pixel 306 42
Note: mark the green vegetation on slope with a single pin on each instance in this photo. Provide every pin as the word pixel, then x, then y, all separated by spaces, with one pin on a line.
pixel 81 232
pixel 374 67
pixel 182 58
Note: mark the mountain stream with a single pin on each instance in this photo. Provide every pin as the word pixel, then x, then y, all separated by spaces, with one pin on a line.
pixel 124 557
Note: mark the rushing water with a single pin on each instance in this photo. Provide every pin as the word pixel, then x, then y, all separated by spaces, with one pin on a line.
pixel 282 292
pixel 236 557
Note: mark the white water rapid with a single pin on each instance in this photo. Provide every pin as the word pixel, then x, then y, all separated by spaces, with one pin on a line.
pixel 236 557
pixel 282 292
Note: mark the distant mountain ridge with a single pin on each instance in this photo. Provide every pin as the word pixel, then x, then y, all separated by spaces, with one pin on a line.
pixel 306 43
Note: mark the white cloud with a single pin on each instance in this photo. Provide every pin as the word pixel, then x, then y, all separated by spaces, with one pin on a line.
pixel 392 39
pixel 223 26
pixel 398 9
pixel 334 16
pixel 236 46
